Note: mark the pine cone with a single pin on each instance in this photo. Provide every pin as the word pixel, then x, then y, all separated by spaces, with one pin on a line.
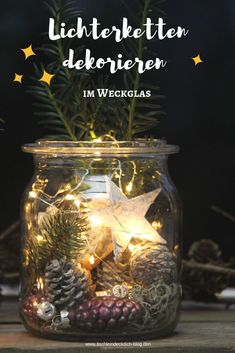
pixel 105 313
pixel 202 285
pixel 205 251
pixel 110 274
pixel 152 262
pixel 66 285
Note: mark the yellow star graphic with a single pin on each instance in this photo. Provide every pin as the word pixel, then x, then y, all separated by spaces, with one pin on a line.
pixel 18 78
pixel 46 77
pixel 197 60
pixel 28 52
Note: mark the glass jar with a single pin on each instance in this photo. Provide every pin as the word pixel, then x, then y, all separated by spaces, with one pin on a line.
pixel 101 245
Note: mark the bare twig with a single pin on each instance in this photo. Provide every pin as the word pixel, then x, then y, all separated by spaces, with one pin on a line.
pixel 12 228
pixel 209 268
pixel 223 213
pixel 11 276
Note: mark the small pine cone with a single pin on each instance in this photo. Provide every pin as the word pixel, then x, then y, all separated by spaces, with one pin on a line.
pixel 110 274
pixel 202 285
pixel 205 251
pixel 105 313
pixel 66 284
pixel 152 262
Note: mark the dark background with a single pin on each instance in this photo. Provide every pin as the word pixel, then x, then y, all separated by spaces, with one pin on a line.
pixel 199 105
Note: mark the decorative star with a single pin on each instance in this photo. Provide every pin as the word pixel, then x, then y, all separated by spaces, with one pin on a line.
pixel 28 52
pixel 46 77
pixel 126 219
pixel 197 60
pixel 18 78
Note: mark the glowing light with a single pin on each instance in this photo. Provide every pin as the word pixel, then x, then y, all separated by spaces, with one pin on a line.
pixel 95 220
pixel 40 238
pixel 156 225
pixel 77 203
pixel 92 260
pixel 40 284
pixel 129 187
pixel 33 194
pixel 35 303
pixel 99 139
pixel 69 197
pixel 131 247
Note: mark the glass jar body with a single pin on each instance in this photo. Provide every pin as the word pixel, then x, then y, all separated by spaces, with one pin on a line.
pixel 101 248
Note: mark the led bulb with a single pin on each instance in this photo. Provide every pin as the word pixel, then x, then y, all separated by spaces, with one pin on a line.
pixel 40 238
pixel 33 194
pixel 69 197
pixel 77 203
pixel 157 225
pixel 131 247
pixel 96 221
pixel 129 187
pixel 92 259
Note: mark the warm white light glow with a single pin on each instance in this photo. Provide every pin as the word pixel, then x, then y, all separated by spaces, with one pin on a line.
pixel 33 194
pixel 129 187
pixel 40 284
pixel 77 202
pixel 95 220
pixel 69 197
pixel 131 247
pixel 99 139
pixel 40 238
pixel 157 225
pixel 92 259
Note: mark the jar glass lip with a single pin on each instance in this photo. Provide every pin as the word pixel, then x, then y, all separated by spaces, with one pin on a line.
pixel 138 146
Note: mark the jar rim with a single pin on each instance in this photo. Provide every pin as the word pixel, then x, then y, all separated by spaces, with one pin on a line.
pixel 137 147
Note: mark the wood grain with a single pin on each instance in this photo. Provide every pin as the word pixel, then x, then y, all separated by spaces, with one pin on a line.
pixel 202 329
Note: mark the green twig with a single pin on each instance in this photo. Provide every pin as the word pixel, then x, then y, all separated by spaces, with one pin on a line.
pixel 137 77
pixel 60 113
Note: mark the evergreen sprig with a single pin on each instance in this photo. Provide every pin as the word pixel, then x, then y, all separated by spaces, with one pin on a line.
pixel 142 113
pixel 62 107
pixel 63 234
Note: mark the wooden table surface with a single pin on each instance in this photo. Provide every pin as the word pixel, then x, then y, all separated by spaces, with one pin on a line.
pixel 202 329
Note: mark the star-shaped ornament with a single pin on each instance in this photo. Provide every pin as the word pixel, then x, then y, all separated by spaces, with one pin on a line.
pixel 46 77
pixel 126 219
pixel 197 60
pixel 28 52
pixel 18 78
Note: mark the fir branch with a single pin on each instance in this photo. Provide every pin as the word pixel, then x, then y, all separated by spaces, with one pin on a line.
pixel 142 113
pixel 137 77
pixel 62 107
pixel 60 114
pixel 61 235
